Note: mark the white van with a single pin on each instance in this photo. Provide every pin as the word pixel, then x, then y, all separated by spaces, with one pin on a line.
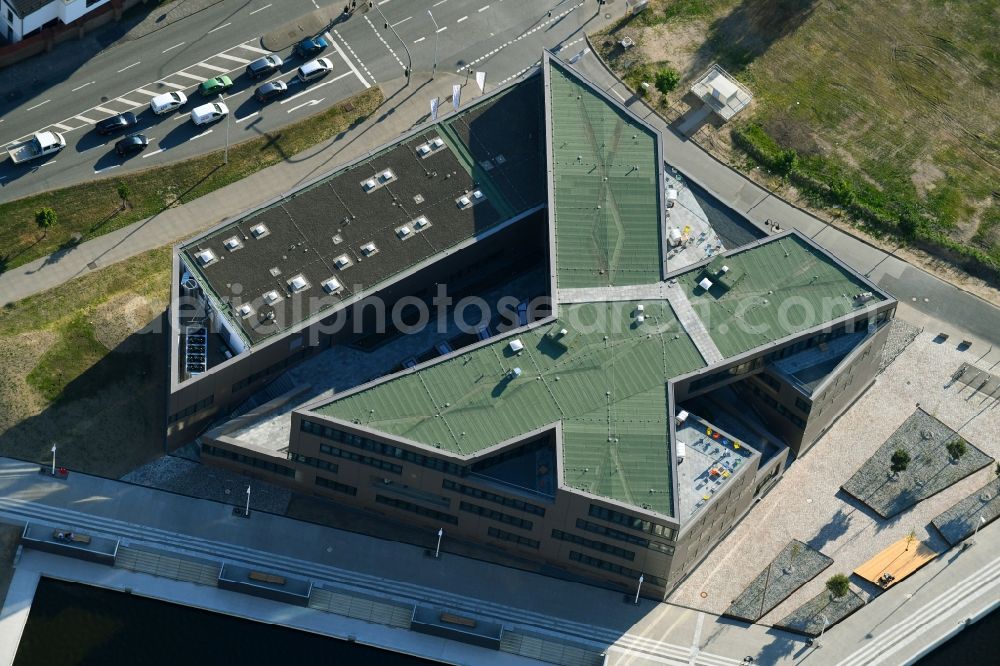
pixel 209 113
pixel 315 69
pixel 167 102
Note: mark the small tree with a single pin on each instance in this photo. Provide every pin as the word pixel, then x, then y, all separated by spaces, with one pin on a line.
pixel 667 79
pixel 796 549
pixel 957 448
pixel 124 192
pixel 900 461
pixel 838 585
pixel 46 218
pixel 910 538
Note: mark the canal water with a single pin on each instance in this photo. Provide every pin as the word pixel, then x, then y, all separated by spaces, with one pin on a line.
pixel 79 625
pixel 976 644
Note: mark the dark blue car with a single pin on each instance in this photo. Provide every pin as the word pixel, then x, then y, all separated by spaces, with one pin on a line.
pixel 310 47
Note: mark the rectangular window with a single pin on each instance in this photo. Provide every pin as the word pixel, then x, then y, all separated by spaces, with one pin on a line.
pixel 496 515
pixel 336 485
pixel 596 545
pixel 520 505
pixel 770 381
pixel 204 403
pixel 381 448
pixel 615 568
pixel 417 509
pixel 631 522
pixel 510 536
pixel 315 462
pixel 249 461
pixel 364 460
pixel 803 405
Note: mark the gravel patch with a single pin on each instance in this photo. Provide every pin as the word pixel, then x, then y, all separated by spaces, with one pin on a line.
pixel 793 567
pixel 959 522
pixel 186 477
pixel 901 334
pixel 930 471
pixel 808 618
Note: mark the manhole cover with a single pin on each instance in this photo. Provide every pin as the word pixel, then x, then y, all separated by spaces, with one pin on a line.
pixel 704 595
pixel 92 265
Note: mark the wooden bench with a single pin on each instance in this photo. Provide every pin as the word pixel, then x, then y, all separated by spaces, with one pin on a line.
pixel 267 578
pixel 66 535
pixel 456 619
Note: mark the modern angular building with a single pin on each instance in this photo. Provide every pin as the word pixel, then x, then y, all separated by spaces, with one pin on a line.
pixel 620 432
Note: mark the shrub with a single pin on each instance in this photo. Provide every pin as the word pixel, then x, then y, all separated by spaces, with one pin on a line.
pixel 838 585
pixel 957 448
pixel 900 460
pixel 667 79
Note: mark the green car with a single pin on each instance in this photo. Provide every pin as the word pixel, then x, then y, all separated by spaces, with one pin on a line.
pixel 215 86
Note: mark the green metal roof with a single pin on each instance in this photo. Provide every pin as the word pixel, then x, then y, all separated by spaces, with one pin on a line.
pixel 607 385
pixel 606 193
pixel 772 290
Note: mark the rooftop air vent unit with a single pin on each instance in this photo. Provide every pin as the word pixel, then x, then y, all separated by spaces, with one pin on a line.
pixel 421 223
pixel 478 195
pixel 369 185
pixel 437 142
pixel 640 319
pixel 332 286
pixel 516 372
pixel 682 416
pixel 724 270
pixel 205 257
pixel 424 150
pixel 342 261
pixel 245 310
pixel 298 283
pixel 864 297
pixel 386 176
pixel 464 201
pixel 271 297
pixel 369 249
pixel 705 284
pixel 233 243
pixel 639 309
pixel 500 159
pixel 516 345
pixel 259 231
pixel 404 232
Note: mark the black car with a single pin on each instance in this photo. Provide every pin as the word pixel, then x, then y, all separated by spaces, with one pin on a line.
pixel 310 46
pixel 134 143
pixel 271 90
pixel 115 123
pixel 262 67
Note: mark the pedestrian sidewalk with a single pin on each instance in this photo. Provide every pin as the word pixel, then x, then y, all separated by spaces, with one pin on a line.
pixel 404 107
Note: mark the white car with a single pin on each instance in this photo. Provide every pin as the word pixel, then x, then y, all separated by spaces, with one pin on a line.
pixel 167 102
pixel 315 69
pixel 209 113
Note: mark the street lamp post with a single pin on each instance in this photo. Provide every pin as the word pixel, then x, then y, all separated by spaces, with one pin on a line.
pixel 247 512
pixel 979 523
pixel 436 33
pixel 437 551
pixel 826 623
pixel 638 589
pixel 226 159
pixel 409 60
pixel 54 460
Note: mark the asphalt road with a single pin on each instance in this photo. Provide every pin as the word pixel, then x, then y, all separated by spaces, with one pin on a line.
pixel 223 38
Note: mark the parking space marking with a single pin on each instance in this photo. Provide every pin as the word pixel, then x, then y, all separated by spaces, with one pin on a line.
pixel 83 86
pixel 253 48
pixel 401 22
pixel 314 88
pixel 419 40
pixel 171 48
pixel 129 67
pixel 113 166
pixel 171 85
pixel 128 101
pixel 104 110
pixel 442 29
pixel 85 119
pixel 198 136
pixel 152 153
pixel 242 61
pixel 464 18
pixel 249 115
pixel 64 128
pixel 224 25
pixel 260 10
pixel 32 108
pixel 385 44
pixel 211 67
pixel 349 63
pixel 188 76
pixel 145 92
pixel 439 2
pixel 483 8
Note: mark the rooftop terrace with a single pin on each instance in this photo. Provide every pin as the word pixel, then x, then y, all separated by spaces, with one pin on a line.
pixel 606 188
pixel 378 217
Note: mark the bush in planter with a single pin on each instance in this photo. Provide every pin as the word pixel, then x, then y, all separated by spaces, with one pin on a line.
pixel 957 449
pixel 900 461
pixel 838 585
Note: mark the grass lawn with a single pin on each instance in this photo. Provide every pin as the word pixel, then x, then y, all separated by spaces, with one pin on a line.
pixel 891 111
pixel 94 208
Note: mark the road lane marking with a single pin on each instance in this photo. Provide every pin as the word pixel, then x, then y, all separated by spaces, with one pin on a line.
pixel 113 166
pixel 401 22
pixel 171 85
pixel 440 2
pixel 128 101
pixel 314 88
pixel 464 18
pixel 189 76
pixel 385 43
pixel 442 29
pixel 249 115
pixel 198 136
pixel 252 48
pixel 349 63
pixel 104 110
pixel 483 8
pixel 64 128
pixel 224 25
pixel 145 92
pixel 214 68
pixel 129 67
pixel 260 10
pixel 173 47
pixel 152 153
pixel 38 105
pixel 83 86
pixel 85 119
pixel 243 61
pixel 554 18
pixel 312 102
pixel 419 40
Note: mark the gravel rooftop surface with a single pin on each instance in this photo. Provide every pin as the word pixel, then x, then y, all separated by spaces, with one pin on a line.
pixel 794 566
pixel 807 503
pixel 930 471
